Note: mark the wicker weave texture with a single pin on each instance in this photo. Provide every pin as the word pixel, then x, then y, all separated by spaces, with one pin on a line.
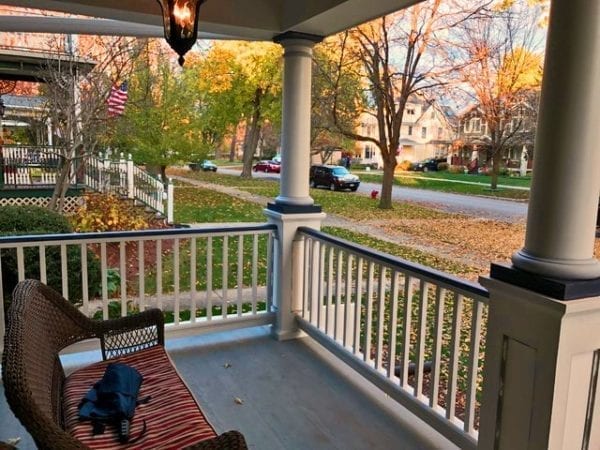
pixel 39 324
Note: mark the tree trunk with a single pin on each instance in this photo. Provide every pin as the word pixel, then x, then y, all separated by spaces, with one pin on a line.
pixel 250 149
pixel 252 135
pixel 61 186
pixel 163 174
pixel 496 157
pixel 232 146
pixel 389 166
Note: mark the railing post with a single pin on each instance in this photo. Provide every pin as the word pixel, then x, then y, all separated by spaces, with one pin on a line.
pixel 122 173
pixel 130 181
pixel 170 201
pixel 104 167
pixel 288 268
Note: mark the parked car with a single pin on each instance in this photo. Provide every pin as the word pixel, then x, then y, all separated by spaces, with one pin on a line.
pixel 206 166
pixel 334 177
pixel 429 164
pixel 267 166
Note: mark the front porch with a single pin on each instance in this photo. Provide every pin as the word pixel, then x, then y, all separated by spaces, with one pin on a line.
pixel 418 336
pixel 406 334
pixel 295 395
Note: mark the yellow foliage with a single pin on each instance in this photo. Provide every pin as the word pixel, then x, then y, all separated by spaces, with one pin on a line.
pixel 101 212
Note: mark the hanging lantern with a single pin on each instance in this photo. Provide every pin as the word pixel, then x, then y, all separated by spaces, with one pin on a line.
pixel 181 24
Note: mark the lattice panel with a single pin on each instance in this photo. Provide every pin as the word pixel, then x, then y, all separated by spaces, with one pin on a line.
pixel 71 203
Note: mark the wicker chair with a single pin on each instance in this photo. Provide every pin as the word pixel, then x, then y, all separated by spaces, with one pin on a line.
pixel 40 323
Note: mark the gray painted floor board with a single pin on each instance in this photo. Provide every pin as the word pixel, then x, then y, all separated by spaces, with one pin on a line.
pixel 292 397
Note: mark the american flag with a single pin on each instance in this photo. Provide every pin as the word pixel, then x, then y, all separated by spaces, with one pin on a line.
pixel 117 99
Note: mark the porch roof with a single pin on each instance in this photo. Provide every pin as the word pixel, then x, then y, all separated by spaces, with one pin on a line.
pixel 241 19
pixel 26 64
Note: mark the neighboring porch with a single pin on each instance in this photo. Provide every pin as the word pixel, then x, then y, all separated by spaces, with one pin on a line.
pixel 28 175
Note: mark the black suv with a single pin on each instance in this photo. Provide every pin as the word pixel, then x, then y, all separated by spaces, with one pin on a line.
pixel 430 164
pixel 334 177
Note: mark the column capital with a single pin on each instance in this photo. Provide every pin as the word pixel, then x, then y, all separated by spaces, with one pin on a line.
pixel 297 36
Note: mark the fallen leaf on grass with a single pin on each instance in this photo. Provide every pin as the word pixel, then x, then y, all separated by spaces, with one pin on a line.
pixel 238 400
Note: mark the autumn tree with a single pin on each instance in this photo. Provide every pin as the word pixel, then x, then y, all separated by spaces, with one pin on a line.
pixel 246 76
pixel 161 123
pixel 325 136
pixel 76 90
pixel 502 71
pixel 399 56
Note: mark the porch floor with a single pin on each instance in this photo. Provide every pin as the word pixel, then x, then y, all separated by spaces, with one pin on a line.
pixel 295 395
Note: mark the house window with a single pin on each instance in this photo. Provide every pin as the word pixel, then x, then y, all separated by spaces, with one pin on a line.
pixel 440 133
pixel 369 153
pixel 433 114
pixel 476 125
pixel 410 111
pixel 410 130
pixel 424 132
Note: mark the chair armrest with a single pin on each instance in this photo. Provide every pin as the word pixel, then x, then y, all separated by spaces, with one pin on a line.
pixel 230 440
pixel 131 333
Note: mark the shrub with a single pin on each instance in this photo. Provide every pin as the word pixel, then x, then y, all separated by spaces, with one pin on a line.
pixel 404 165
pixel 442 167
pixel 456 169
pixel 30 220
pixel 101 212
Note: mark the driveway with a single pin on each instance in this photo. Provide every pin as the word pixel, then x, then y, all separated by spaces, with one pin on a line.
pixel 485 207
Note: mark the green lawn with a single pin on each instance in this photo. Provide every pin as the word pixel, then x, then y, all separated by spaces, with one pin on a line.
pixel 351 206
pixel 196 205
pixel 193 204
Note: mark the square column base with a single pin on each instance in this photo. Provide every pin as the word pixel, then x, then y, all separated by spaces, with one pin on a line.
pixel 288 268
pixel 541 371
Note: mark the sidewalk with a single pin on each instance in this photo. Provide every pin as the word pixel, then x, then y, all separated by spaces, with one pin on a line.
pixel 475 183
pixel 167 300
pixel 446 180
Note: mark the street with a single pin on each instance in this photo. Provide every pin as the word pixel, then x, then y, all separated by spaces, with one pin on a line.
pixel 488 208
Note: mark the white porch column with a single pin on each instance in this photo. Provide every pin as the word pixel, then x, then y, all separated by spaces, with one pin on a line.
pixel 295 130
pixel 294 207
pixel 542 357
pixel 561 220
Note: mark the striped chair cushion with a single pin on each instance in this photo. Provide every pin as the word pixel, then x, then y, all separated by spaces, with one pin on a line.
pixel 173 418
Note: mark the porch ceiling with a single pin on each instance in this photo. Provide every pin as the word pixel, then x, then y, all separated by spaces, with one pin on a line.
pixel 243 19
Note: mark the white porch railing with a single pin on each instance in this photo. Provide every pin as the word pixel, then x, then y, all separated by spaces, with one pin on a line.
pixel 29 166
pixel 122 177
pixel 414 332
pixel 201 278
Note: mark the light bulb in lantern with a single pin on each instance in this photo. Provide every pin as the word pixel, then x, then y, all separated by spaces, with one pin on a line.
pixel 181 24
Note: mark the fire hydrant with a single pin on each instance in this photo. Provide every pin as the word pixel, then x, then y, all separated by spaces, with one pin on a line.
pixel 374 194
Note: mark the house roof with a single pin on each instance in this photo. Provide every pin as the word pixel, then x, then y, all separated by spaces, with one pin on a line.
pixel 241 19
pixel 24 102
